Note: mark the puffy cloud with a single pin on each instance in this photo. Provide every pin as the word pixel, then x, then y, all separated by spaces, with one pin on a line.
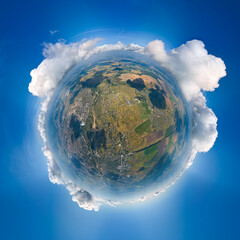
pixel 59 58
pixel 204 129
pixel 83 198
pixel 190 64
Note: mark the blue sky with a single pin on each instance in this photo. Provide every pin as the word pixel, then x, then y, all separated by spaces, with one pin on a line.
pixel 204 204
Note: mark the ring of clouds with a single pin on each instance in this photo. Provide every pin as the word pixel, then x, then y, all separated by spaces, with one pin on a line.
pixel 194 69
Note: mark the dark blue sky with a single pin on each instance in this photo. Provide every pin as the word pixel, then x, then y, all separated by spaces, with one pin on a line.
pixel 204 204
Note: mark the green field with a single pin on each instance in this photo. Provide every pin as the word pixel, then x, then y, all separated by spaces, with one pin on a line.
pixel 144 111
pixel 144 127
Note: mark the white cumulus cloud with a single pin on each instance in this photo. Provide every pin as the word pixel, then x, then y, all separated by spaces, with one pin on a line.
pixel 190 64
pixel 59 58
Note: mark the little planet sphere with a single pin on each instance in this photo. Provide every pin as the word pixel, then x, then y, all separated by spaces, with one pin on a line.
pixel 119 126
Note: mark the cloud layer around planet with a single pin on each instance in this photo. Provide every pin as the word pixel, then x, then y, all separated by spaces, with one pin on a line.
pixel 194 69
